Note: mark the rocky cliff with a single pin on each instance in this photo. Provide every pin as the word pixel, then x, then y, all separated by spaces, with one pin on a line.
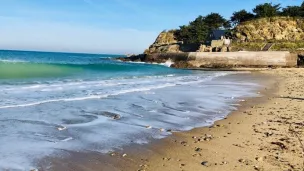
pixel 271 29
pixel 286 34
pixel 165 42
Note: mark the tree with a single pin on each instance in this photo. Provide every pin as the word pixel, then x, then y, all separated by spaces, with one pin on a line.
pixel 195 32
pixel 292 11
pixel 302 9
pixel 216 21
pixel 241 16
pixel 198 31
pixel 267 10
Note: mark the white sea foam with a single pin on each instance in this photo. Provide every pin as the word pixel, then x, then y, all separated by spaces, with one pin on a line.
pixel 70 115
pixel 88 97
pixel 67 139
pixel 91 84
pixel 168 63
pixel 134 62
pixel 12 61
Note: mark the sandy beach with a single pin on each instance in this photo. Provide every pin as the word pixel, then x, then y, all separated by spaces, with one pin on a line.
pixel 265 134
pixel 115 85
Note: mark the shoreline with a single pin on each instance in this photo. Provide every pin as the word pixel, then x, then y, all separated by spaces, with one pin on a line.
pixel 257 136
pixel 137 155
pixel 254 137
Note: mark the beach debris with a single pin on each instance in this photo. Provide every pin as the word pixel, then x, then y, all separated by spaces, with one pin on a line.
pixel 205 163
pixel 224 162
pixel 241 160
pixel 207 137
pixel 143 167
pixel 124 155
pixel 161 129
pixel 218 125
pixel 194 155
pixel 281 145
pixel 256 167
pixel 197 149
pixel 268 134
pixel 285 139
pixel 112 153
pixel 34 170
pixel 148 127
pixel 166 158
pixel 238 145
pixel 184 142
pixel 259 159
pixel 246 162
pixel 61 128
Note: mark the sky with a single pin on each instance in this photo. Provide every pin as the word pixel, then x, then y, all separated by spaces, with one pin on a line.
pixel 103 26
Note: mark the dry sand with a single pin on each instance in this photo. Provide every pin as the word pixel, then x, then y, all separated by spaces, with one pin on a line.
pixel 266 133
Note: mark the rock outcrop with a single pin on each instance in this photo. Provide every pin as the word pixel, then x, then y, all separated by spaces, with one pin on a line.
pixel 271 29
pixel 167 42
pixel 280 33
pixel 164 43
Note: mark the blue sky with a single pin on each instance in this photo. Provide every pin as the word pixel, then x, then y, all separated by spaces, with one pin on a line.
pixel 103 26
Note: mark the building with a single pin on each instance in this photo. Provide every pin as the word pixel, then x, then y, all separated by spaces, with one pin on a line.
pixel 217 34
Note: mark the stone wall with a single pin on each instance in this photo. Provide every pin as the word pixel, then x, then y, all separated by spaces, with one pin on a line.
pixel 228 60
pixel 243 59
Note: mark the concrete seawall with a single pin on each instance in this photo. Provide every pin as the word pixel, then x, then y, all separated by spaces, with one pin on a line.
pixel 232 59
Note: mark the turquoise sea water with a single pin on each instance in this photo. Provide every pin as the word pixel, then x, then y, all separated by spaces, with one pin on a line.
pixel 51 103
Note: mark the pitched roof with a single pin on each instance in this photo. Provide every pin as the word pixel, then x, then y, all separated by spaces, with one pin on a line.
pixel 217 34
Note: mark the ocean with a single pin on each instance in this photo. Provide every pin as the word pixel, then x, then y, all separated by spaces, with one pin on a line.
pixel 51 103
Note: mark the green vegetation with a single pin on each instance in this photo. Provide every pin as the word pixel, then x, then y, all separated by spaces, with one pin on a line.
pixel 247 46
pixel 241 16
pixel 257 46
pixel 267 10
pixel 289 46
pixel 198 31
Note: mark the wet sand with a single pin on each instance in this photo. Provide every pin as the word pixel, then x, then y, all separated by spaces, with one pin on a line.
pixel 265 133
